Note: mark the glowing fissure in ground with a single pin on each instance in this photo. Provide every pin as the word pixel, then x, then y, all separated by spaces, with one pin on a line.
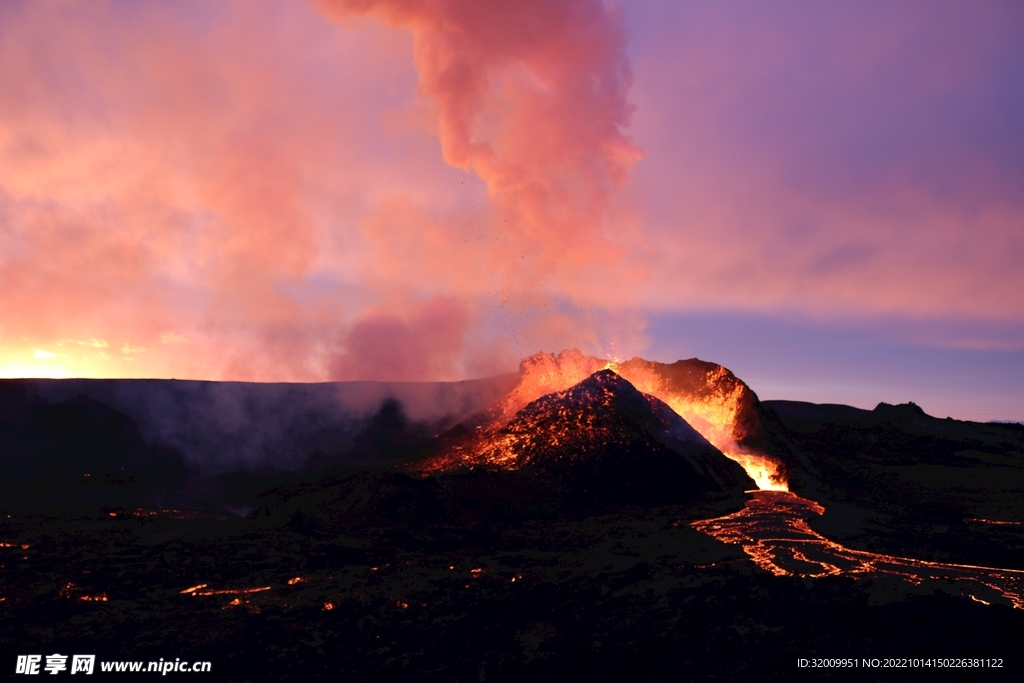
pixel 773 530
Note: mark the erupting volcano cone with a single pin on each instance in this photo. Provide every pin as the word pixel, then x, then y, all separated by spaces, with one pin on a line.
pixel 707 396
pixel 602 438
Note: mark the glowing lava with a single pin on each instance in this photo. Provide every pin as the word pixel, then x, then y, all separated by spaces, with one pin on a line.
pixel 709 397
pixel 201 589
pixel 600 430
pixel 773 530
pixel 73 592
pixel 763 470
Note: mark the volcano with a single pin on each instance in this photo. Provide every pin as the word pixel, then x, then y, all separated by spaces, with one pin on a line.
pixel 708 396
pixel 601 438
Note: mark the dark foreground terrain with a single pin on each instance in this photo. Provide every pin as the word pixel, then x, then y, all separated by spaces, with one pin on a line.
pixel 620 593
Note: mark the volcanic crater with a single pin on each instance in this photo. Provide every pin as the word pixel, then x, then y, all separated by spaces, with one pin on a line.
pixel 601 437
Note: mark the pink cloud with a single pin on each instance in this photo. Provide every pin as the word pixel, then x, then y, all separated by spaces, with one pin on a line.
pixel 284 192
pixel 424 343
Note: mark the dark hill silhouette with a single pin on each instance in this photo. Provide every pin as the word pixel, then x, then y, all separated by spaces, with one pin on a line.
pixel 223 426
pixel 80 453
pixel 899 480
pixel 155 443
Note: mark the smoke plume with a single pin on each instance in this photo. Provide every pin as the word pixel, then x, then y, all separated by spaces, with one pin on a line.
pixel 531 97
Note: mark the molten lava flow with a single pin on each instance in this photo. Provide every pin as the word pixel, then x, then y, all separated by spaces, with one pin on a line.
pixel 763 470
pixel 201 589
pixel 773 530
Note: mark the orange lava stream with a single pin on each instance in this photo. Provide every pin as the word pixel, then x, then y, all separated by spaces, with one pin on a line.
pixel 773 530
pixel 201 589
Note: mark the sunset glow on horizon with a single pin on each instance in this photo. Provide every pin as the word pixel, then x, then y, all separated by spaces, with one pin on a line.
pixel 827 199
pixel 92 358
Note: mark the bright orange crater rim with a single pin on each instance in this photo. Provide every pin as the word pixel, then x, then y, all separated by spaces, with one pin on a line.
pixel 710 398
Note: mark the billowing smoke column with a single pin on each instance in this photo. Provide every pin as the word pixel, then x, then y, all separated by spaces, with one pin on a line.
pixel 531 97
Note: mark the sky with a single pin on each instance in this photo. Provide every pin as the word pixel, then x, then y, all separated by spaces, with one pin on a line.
pixel 826 198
